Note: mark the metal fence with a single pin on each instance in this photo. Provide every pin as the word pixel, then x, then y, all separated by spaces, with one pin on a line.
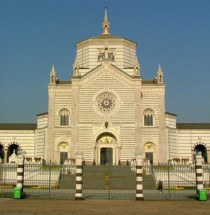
pixel 8 174
pixel 179 182
pixel 104 181
pixel 49 181
pixel 109 182
pixel 206 178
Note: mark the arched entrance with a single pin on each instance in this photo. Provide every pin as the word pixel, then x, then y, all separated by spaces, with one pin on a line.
pixel 2 152
pixel 12 148
pixel 63 149
pixel 106 156
pixel 202 149
pixel 107 151
pixel 149 150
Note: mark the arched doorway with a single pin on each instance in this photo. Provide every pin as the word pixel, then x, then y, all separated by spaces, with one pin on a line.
pixel 149 150
pixel 106 145
pixel 12 148
pixel 106 156
pixel 2 152
pixel 63 149
pixel 202 149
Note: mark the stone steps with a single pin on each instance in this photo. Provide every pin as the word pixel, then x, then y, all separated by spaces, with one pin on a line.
pixel 67 181
pixel 101 177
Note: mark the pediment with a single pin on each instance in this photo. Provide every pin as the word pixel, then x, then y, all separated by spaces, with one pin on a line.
pixel 108 70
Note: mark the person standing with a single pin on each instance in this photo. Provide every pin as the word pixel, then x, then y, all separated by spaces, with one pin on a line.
pixel 160 186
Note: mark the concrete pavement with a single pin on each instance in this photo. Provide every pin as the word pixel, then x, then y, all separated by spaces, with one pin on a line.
pixel 94 207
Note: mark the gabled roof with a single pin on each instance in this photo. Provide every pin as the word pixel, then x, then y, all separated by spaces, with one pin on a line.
pixel 193 125
pixel 18 126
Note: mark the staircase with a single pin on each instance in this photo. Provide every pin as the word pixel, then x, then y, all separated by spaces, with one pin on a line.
pixel 99 177
pixel 149 182
pixel 67 181
pixel 109 177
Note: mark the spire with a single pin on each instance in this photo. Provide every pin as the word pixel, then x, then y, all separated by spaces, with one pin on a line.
pixel 136 67
pixel 159 75
pixel 53 70
pixel 159 69
pixel 105 24
pixel 53 75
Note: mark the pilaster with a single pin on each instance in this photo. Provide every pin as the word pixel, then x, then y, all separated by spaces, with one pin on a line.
pixel 75 116
pixel 162 128
pixel 51 124
pixel 138 116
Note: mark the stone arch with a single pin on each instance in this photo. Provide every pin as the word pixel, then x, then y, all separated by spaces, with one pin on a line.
pixel 106 138
pixel 149 146
pixel 13 147
pixel 63 146
pixel 106 148
pixel 1 151
pixel 150 152
pixel 199 143
pixel 63 152
pixel 202 147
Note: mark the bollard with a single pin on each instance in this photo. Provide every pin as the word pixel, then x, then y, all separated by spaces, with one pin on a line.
pixel 139 178
pixel 199 172
pixel 18 190
pixel 79 167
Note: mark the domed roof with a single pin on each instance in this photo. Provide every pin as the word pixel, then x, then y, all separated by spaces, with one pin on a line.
pixel 105 34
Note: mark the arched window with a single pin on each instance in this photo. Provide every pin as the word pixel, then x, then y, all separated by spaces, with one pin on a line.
pixel 64 117
pixel 106 54
pixel 201 148
pixel 148 117
pixel 1 152
pixel 13 148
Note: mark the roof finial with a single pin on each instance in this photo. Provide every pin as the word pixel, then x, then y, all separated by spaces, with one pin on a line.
pixel 53 69
pixel 53 75
pixel 159 69
pixel 160 75
pixel 105 24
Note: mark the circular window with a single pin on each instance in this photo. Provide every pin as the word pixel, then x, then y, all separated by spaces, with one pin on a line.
pixel 106 102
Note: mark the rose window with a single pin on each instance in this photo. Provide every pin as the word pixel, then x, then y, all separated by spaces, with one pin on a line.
pixel 106 102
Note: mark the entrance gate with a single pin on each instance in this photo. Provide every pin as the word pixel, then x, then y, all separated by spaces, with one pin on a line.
pixel 109 182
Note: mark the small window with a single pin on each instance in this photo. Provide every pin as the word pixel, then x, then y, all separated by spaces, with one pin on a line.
pixel 111 56
pixel 100 56
pixel 148 117
pixel 64 117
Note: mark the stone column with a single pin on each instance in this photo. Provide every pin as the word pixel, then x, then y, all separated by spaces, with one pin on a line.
pixel 208 155
pixel 199 172
pixel 139 178
pixel 79 167
pixel 20 171
pixel 5 155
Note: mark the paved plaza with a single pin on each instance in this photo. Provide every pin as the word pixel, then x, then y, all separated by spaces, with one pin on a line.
pixel 40 206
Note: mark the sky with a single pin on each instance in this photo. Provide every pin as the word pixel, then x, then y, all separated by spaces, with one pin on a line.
pixel 36 34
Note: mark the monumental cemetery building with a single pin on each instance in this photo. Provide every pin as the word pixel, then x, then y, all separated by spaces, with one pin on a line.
pixel 107 112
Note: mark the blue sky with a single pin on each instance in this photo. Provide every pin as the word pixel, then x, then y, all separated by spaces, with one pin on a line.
pixel 36 34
